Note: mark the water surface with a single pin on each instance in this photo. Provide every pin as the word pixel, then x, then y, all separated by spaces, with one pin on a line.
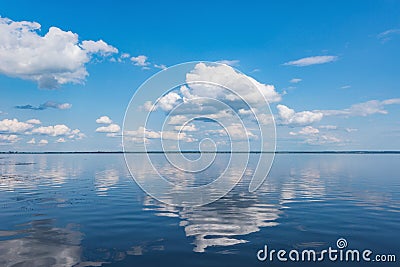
pixel 85 210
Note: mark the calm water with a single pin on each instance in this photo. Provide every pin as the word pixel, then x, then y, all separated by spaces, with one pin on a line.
pixel 85 210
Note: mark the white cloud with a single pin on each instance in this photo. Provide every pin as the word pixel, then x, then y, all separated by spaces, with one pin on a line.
pixel 63 106
pixel 161 66
pixel 328 127
pixel 212 92
pixel 168 101
pixel 146 134
pixel 34 121
pixel 76 134
pixel 313 136
pixel 186 128
pixel 55 130
pixel 60 140
pixel 388 35
pixel 125 55
pixel 32 141
pixel 177 120
pixel 236 132
pixel 228 77
pixel 112 128
pixel 148 106
pixel 345 87
pixel 322 139
pixel 295 80
pixel 104 120
pixel 140 61
pixel 262 117
pixel 59 130
pixel 99 47
pixel 308 130
pixel 14 126
pixel 43 142
pixel 51 60
pixel 308 61
pixel 391 101
pixel 171 135
pixel 8 139
pixel 350 130
pixel 288 116
pixel 363 109
pixel 233 62
pixel 199 92
pixel 122 58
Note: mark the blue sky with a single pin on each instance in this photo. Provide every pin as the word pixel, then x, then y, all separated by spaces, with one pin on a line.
pixel 334 64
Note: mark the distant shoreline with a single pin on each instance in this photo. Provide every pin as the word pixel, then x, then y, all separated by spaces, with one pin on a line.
pixel 196 152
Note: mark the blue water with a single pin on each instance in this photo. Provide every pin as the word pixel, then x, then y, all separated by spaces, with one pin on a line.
pixel 85 210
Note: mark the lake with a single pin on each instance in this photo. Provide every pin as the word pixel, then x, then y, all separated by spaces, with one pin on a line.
pixel 86 210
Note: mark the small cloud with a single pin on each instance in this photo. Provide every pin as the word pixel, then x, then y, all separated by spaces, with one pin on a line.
pixel 388 35
pixel 59 130
pixel 345 87
pixel 168 101
pixel 232 63
pixel 295 80
pixel 140 61
pixel 308 130
pixel 43 142
pixel 148 106
pixel 125 55
pixel 323 139
pixel 363 109
pixel 161 66
pixel 308 61
pixel 112 128
pixel 46 105
pixel 60 140
pixel 186 128
pixel 32 141
pixel 350 130
pixel 328 127
pixel 313 136
pixel 104 120
pixel 8 139
pixel 98 47
pixel 143 134
pixel 34 121
pixel 121 58
pixel 288 116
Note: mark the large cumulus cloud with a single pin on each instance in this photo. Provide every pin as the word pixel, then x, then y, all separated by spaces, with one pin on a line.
pixel 51 60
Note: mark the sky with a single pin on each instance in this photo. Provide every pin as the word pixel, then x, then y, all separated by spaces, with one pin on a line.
pixel 329 69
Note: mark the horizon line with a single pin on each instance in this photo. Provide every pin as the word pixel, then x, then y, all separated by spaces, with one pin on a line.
pixel 217 152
